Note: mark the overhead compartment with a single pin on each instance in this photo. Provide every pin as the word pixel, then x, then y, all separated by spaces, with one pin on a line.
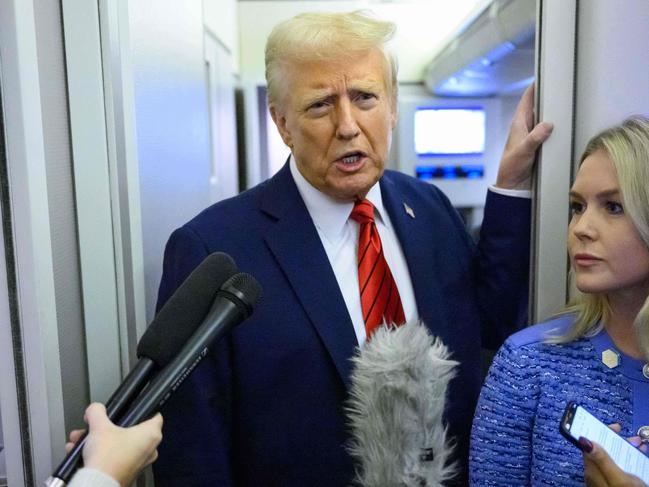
pixel 491 55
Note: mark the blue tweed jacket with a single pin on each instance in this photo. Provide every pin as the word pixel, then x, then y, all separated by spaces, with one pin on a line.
pixel 515 439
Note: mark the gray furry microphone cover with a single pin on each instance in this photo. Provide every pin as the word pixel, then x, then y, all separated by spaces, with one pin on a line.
pixel 395 408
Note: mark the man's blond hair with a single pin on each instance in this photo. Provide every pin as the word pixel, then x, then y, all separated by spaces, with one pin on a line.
pixel 327 36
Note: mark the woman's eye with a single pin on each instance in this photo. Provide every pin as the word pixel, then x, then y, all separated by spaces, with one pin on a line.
pixel 614 208
pixel 576 208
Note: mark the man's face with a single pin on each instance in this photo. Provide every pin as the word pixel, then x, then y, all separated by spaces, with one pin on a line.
pixel 337 117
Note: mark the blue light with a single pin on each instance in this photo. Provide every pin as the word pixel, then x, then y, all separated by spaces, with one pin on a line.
pixel 460 171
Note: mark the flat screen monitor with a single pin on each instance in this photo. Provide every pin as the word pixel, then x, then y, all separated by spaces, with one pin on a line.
pixel 443 131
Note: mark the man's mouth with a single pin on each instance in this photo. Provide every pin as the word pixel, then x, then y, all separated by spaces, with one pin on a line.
pixel 352 158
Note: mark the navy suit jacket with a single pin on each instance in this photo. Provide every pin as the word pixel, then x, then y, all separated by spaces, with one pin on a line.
pixel 265 408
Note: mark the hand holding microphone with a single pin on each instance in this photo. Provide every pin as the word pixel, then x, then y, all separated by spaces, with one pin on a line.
pixel 233 304
pixel 176 341
pixel 119 453
pixel 172 326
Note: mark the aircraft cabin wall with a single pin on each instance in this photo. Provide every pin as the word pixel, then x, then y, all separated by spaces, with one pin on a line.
pixel 591 76
pixel 612 77
pixel 462 162
pixel 185 66
pixel 182 169
pixel 178 136
pixel 50 113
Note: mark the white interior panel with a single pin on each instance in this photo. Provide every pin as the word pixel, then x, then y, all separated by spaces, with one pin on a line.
pixel 613 72
pixel 555 90
pixel 172 125
pixel 224 174
pixel 221 20
pixel 92 193
pixel 34 291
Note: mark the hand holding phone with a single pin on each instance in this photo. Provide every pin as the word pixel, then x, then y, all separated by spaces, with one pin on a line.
pixel 601 471
pixel 577 422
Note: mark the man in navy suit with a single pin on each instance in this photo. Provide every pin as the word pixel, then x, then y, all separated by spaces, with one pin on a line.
pixel 266 407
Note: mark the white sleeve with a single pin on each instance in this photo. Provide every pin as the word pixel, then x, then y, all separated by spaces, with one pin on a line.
pixel 516 193
pixel 88 477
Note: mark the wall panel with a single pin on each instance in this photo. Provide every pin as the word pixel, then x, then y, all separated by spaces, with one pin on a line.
pixel 171 117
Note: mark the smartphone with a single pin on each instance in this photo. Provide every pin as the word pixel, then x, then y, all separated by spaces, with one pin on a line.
pixel 577 422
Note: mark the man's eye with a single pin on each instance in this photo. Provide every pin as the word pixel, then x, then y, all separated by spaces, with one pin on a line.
pixel 576 208
pixel 365 97
pixel 318 108
pixel 614 208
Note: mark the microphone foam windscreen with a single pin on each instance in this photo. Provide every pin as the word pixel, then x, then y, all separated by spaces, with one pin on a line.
pixel 185 310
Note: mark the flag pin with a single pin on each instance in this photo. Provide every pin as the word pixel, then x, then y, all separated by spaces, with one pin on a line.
pixel 409 211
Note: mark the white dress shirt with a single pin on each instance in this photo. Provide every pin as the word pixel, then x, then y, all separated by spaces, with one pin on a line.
pixel 339 237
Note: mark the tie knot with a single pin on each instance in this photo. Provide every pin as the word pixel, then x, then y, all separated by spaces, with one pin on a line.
pixel 363 212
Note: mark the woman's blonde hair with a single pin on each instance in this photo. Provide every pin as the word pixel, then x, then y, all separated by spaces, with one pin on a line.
pixel 327 36
pixel 627 145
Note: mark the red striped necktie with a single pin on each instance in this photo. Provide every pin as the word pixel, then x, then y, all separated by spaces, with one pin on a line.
pixel 380 298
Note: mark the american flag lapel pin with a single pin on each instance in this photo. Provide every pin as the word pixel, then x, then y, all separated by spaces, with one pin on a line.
pixel 409 211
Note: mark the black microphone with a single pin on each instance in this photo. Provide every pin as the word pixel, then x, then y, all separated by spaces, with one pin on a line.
pixel 176 321
pixel 166 334
pixel 233 304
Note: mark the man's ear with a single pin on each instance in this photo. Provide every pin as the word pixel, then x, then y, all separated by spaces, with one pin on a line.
pixel 280 122
pixel 394 115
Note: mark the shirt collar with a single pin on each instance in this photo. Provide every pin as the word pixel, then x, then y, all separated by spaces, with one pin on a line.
pixel 328 214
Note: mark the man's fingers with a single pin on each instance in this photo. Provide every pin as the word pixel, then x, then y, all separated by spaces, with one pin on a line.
pixel 537 136
pixel 532 142
pixel 526 106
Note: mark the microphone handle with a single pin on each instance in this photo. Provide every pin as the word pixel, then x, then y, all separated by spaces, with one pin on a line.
pixel 129 388
pixel 223 316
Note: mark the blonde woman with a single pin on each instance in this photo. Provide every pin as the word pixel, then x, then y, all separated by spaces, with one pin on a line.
pixel 592 354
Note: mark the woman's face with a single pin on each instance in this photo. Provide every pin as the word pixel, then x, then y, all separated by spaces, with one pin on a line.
pixel 606 251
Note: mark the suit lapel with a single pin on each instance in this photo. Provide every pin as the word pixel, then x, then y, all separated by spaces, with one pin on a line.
pixel 294 241
pixel 418 247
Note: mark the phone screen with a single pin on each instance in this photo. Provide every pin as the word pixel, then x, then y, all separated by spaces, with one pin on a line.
pixel 578 422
